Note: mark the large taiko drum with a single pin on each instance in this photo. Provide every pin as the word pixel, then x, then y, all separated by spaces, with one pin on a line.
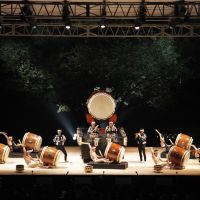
pixel 184 141
pixel 50 156
pixel 101 105
pixel 178 156
pixel 114 152
pixel 32 141
pixel 4 152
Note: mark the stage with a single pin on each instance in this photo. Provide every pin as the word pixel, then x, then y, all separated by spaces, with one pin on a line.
pixel 76 166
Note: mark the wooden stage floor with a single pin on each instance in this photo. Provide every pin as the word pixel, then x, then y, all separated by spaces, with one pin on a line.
pixel 75 166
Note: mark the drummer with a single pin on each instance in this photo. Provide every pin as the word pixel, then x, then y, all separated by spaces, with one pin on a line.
pixel 93 131
pixel 11 143
pixel 158 160
pixel 111 131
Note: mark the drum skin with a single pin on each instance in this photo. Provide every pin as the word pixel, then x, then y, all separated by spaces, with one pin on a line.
pixel 32 141
pixel 114 152
pixel 101 105
pixel 178 156
pixel 50 156
pixel 4 152
pixel 184 141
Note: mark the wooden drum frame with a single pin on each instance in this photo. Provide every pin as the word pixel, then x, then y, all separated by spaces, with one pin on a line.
pixel 50 156
pixel 4 152
pixel 178 156
pixel 184 141
pixel 32 141
pixel 114 152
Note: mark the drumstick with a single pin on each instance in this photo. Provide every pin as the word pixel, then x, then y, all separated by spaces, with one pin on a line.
pixel 100 153
pixel 171 141
pixel 85 143
pixel 19 141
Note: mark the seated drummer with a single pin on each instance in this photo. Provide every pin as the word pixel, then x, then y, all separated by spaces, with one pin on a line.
pixel 10 142
pixel 111 131
pixel 158 160
pixel 97 158
pixel 93 131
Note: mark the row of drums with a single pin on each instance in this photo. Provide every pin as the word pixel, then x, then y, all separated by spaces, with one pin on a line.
pixel 179 154
pixel 49 155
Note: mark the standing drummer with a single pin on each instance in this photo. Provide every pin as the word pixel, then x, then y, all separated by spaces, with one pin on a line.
pixel 59 140
pixel 111 131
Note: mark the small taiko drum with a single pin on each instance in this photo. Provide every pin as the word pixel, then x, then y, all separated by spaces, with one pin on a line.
pixel 32 141
pixel 158 168
pixel 4 152
pixel 114 152
pixel 88 169
pixel 19 168
pixel 50 156
pixel 184 141
pixel 178 156
pixel 101 105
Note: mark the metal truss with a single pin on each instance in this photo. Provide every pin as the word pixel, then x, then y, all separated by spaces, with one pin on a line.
pixel 158 19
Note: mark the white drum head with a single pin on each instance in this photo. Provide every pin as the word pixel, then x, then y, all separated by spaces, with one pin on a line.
pixel 101 105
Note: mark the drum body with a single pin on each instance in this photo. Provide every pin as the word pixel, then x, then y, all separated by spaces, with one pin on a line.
pixel 50 156
pixel 178 156
pixel 184 141
pixel 101 105
pixel 4 152
pixel 114 152
pixel 32 141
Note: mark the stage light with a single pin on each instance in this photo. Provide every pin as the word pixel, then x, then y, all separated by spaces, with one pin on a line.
pixel 65 119
pixel 138 24
pixel 74 137
pixel 67 24
pixel 65 15
pixel 33 24
pixel 67 27
pixel 103 14
pixel 137 28
pixel 103 24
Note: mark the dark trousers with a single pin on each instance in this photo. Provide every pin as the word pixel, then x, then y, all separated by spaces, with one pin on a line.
pixel 141 149
pixel 62 148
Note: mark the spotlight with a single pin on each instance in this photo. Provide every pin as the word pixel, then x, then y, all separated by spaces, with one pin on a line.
pixel 67 25
pixel 33 24
pixel 138 24
pixel 65 15
pixel 103 24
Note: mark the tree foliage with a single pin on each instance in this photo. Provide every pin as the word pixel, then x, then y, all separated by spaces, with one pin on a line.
pixel 136 71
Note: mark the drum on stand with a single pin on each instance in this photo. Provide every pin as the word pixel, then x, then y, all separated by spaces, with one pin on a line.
pixel 114 152
pixel 50 156
pixel 184 141
pixel 101 105
pixel 32 141
pixel 4 152
pixel 178 156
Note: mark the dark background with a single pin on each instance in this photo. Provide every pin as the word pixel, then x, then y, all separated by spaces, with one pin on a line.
pixel 22 110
